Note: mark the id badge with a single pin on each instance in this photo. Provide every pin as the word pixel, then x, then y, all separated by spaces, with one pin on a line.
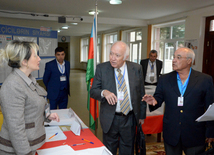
pixel 120 95
pixel 62 78
pixel 152 74
pixel 180 101
pixel 47 110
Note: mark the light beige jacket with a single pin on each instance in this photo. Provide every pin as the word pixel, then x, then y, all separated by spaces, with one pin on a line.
pixel 23 105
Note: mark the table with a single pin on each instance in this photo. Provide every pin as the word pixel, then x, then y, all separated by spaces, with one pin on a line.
pixel 153 124
pixel 154 120
pixel 73 139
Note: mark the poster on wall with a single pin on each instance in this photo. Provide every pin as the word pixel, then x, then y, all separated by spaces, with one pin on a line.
pixel 28 39
pixel 193 45
pixel 47 46
pixel 42 66
pixel 4 39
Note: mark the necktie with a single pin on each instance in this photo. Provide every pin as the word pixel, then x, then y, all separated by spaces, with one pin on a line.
pixel 124 104
pixel 152 73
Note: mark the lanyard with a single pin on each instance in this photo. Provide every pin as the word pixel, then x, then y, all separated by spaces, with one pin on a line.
pixel 61 68
pixel 122 78
pixel 182 87
pixel 151 65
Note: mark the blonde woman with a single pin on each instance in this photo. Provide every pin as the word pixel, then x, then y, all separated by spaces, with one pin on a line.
pixel 22 101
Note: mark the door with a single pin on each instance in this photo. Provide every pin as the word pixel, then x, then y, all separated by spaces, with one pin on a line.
pixel 208 55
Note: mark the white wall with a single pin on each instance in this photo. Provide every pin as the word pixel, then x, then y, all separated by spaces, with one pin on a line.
pixel 194 28
pixel 75 55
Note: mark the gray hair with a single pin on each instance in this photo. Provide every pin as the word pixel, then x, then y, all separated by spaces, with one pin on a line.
pixel 153 51
pixel 17 51
pixel 190 54
pixel 126 46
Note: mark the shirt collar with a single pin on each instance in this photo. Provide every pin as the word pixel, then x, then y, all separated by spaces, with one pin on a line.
pixel 121 68
pixel 151 62
pixel 59 63
pixel 28 80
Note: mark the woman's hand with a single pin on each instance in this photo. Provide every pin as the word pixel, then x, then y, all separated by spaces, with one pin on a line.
pixel 54 117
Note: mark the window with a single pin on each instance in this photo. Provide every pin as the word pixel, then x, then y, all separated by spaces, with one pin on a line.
pixel 98 50
pixel 212 25
pixel 84 49
pixel 134 40
pixel 109 39
pixel 168 38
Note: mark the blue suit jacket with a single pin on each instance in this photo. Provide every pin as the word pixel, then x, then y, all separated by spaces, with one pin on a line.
pixel 51 78
pixel 179 121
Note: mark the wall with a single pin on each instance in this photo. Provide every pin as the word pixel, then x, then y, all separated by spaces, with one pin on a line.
pixel 75 54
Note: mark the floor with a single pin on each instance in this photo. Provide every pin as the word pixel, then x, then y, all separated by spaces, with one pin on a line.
pixel 78 101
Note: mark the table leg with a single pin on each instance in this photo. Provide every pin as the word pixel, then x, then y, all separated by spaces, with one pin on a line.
pixel 159 137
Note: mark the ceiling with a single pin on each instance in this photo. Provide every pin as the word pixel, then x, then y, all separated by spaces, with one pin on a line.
pixel 131 13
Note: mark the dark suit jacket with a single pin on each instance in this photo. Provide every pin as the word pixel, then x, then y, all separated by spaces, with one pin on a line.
pixel 105 79
pixel 180 121
pixel 144 64
pixel 51 78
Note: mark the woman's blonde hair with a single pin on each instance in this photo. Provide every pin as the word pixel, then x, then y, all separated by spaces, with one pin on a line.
pixel 17 51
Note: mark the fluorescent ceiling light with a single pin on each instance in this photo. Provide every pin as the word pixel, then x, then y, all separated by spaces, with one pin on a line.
pixel 74 23
pixel 65 27
pixel 58 31
pixel 92 12
pixel 115 2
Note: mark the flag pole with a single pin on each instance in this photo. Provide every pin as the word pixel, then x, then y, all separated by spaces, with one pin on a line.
pixel 95 60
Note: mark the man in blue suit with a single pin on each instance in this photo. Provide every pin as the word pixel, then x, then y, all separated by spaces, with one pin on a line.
pixel 56 80
pixel 187 93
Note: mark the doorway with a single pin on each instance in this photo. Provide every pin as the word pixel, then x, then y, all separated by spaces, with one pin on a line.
pixel 208 55
pixel 66 47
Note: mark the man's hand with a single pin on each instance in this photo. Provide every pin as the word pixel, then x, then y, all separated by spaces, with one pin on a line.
pixel 141 121
pixel 149 99
pixel 110 97
pixel 209 140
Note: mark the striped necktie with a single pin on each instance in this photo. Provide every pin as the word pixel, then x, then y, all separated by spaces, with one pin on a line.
pixel 124 104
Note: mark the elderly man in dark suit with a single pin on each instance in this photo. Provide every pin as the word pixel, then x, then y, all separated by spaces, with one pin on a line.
pixel 56 80
pixel 151 68
pixel 118 85
pixel 186 93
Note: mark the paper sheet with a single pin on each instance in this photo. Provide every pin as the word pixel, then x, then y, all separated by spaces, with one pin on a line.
pixel 94 151
pixel 75 128
pixel 208 115
pixel 50 131
pixel 64 149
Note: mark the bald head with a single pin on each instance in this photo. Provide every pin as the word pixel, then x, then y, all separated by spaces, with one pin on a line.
pixel 119 54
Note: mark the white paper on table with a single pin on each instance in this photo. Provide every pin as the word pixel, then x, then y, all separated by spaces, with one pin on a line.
pixel 64 149
pixel 208 115
pixel 92 151
pixel 75 128
pixel 50 131
pixel 65 118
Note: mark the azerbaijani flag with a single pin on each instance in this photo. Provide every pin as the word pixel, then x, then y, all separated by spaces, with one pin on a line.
pixel 92 104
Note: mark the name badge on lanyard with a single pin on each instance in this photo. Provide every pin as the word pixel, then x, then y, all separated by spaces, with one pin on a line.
pixel 62 78
pixel 180 101
pixel 120 95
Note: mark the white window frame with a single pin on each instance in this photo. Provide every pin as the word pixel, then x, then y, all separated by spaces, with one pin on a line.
pixel 165 41
pixel 84 45
pixel 108 43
